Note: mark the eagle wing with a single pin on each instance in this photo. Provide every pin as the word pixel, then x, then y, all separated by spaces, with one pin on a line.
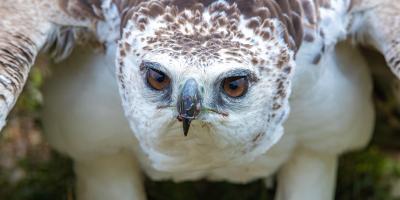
pixel 25 28
pixel 377 24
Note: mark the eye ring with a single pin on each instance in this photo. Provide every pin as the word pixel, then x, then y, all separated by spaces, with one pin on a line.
pixel 157 80
pixel 235 86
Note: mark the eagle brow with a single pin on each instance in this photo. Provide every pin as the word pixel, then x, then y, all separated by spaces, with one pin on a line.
pixel 152 65
pixel 239 72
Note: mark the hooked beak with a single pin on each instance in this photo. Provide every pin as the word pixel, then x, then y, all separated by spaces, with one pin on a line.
pixel 189 104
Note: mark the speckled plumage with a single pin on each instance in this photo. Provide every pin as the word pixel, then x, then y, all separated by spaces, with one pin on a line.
pixel 307 102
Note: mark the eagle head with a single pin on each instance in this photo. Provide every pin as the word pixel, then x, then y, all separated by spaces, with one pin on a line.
pixel 203 86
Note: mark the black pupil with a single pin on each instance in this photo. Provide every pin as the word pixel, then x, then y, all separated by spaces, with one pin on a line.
pixel 234 85
pixel 158 76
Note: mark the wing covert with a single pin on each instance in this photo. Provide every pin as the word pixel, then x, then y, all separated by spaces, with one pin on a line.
pixel 377 24
pixel 25 28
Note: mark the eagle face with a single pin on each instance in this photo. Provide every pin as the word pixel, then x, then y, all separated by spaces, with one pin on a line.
pixel 201 90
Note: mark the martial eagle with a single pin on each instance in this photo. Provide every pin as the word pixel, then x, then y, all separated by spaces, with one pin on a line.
pixel 230 90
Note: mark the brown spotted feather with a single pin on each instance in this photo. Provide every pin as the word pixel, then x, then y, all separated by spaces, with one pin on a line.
pixel 293 14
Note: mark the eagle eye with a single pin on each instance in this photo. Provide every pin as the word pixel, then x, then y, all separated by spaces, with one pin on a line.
pixel 235 86
pixel 157 79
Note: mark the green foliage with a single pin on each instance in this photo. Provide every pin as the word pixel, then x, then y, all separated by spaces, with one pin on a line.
pixel 367 175
pixel 31 98
pixel 207 190
pixel 51 180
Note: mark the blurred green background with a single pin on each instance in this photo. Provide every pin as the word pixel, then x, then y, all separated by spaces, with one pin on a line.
pixel 29 169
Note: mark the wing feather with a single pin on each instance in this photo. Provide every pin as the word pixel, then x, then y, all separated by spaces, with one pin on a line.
pixel 25 28
pixel 377 24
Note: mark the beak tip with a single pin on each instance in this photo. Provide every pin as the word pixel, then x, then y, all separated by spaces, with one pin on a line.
pixel 186 126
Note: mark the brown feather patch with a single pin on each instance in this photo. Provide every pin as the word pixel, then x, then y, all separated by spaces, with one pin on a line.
pixel 290 12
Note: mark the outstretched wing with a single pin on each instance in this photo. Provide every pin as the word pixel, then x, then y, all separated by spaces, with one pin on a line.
pixel 377 23
pixel 25 27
